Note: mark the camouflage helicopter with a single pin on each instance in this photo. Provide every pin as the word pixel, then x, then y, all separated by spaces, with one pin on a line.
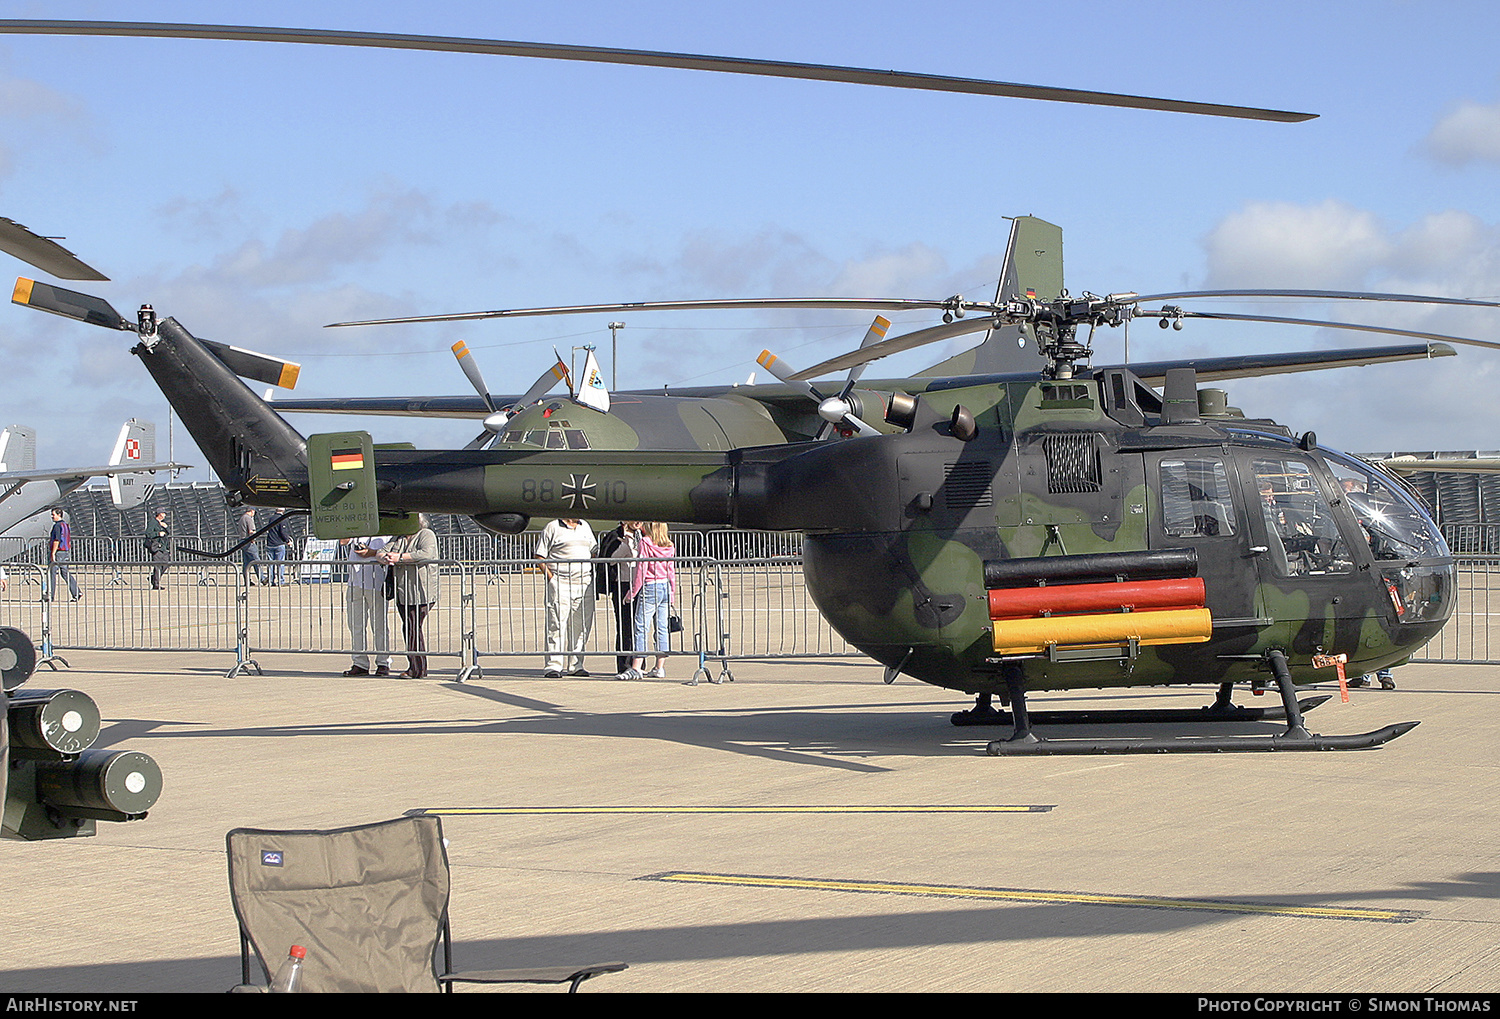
pixel 997 533
pixel 1073 527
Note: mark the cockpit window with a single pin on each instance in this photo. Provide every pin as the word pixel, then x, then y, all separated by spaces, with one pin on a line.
pixel 1299 522
pixel 1393 521
pixel 1195 499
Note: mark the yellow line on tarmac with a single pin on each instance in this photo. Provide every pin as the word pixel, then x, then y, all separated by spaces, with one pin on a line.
pixel 1022 808
pixel 1032 896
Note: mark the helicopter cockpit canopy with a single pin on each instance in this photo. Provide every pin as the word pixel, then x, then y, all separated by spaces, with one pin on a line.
pixel 1413 559
pixel 1397 525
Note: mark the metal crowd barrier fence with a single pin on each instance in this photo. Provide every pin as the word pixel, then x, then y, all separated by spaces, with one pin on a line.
pixel 486 609
pixel 21 604
pixel 1470 637
pixel 1472 539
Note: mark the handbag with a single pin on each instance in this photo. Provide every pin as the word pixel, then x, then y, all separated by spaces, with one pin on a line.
pixel 674 623
pixel 390 581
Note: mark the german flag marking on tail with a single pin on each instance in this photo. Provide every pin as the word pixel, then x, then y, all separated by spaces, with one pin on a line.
pixel 347 459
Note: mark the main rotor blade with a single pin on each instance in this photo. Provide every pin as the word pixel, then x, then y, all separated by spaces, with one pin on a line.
pixel 1331 295
pixel 1249 366
pixel 1447 465
pixel 895 345
pixel 1313 322
pixel 820 303
pixel 649 58
pixel 45 253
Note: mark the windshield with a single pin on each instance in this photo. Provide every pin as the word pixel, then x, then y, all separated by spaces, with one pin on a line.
pixel 1393 520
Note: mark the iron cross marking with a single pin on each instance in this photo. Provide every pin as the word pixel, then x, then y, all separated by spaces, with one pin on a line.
pixel 579 491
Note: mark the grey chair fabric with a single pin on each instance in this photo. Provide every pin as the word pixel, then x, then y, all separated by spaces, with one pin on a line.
pixel 369 903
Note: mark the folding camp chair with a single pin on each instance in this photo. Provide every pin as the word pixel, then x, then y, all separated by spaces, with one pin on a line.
pixel 369 904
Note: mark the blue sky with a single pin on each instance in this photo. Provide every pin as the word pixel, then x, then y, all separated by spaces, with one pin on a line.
pixel 258 191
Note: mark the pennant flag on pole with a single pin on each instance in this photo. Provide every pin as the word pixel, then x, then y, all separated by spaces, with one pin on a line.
pixel 592 392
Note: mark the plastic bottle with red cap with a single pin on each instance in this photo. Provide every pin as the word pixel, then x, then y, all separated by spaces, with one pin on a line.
pixel 288 979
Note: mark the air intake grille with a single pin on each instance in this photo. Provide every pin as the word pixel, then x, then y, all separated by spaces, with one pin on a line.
pixel 1072 462
pixel 966 485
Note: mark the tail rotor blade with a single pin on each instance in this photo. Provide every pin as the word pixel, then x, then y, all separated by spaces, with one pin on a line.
pixel 68 303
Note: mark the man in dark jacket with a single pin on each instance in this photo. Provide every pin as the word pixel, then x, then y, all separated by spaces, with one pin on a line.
pixel 276 546
pixel 59 551
pixel 158 545
pixel 613 581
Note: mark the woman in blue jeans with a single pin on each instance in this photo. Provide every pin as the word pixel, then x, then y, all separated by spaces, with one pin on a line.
pixel 651 591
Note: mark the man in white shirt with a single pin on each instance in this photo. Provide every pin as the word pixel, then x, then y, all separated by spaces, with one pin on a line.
pixel 564 548
pixel 365 606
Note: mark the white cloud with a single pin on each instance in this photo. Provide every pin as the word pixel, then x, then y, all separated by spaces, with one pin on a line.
pixel 21 97
pixel 27 107
pixel 770 262
pixel 1469 133
pixel 912 271
pixel 1443 242
pixel 1331 245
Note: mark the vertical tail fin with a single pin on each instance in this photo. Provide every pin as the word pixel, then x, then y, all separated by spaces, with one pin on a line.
pixel 1033 267
pixel 255 453
pixel 18 448
pixel 137 443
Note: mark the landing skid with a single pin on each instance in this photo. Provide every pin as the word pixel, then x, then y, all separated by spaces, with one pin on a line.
pixel 986 715
pixel 1025 743
pixel 1197 744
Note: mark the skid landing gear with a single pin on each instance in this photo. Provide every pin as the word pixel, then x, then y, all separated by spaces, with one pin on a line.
pixel 1025 743
pixel 1221 710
